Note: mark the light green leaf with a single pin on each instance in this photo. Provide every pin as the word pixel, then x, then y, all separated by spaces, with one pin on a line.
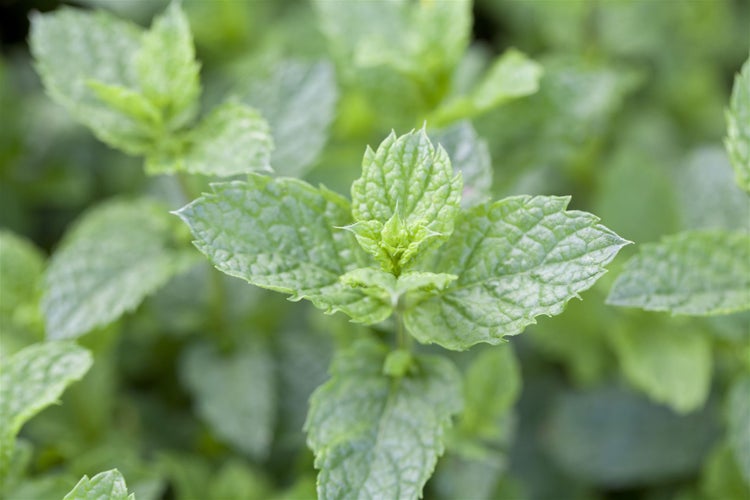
pixel 491 386
pixel 21 267
pixel 166 67
pixel 738 127
pixel 116 254
pixel 375 436
pixel 233 139
pixel 72 48
pixel 511 76
pixel 406 199
pixel 109 485
pixel 130 103
pixel 696 273
pixel 470 156
pixel 672 365
pixel 235 394
pixel 299 101
pixel 515 259
pixel 739 425
pixel 281 234
pixel 405 291
pixel 31 380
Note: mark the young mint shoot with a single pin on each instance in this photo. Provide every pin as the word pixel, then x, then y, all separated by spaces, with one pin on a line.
pixel 405 248
pixel 454 277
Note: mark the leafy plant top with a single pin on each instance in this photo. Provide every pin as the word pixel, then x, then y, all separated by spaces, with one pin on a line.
pixel 404 246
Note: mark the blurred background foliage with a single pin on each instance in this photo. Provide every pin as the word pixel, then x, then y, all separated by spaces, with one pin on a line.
pixel 194 400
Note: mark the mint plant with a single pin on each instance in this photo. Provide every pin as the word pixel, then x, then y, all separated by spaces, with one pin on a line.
pixel 402 248
pixel 138 91
pixel 199 386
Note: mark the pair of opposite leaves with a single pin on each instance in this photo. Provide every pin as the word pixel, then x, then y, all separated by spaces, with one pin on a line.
pixel 456 276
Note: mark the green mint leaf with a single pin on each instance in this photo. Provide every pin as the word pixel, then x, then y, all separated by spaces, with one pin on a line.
pixel 128 102
pixel 738 127
pixel 375 436
pixel 31 380
pixel 412 37
pixel 281 234
pixel 696 273
pixel 166 67
pixel 298 99
pixel 511 76
pixel 21 268
pixel 399 55
pixel 406 199
pixel 739 425
pixel 515 259
pixel 394 293
pixel 73 48
pixel 116 254
pixel 109 485
pixel 491 386
pixel 233 139
pixel 672 365
pixel 235 394
pixel 470 156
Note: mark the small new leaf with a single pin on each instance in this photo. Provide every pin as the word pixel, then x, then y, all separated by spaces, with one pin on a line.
pixel 406 199
pixel 738 127
pixel 511 76
pixel 696 273
pixel 72 48
pixel 109 485
pixel 166 67
pixel 396 293
pixel 515 259
pixel 233 139
pixel 375 436
pixel 31 380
